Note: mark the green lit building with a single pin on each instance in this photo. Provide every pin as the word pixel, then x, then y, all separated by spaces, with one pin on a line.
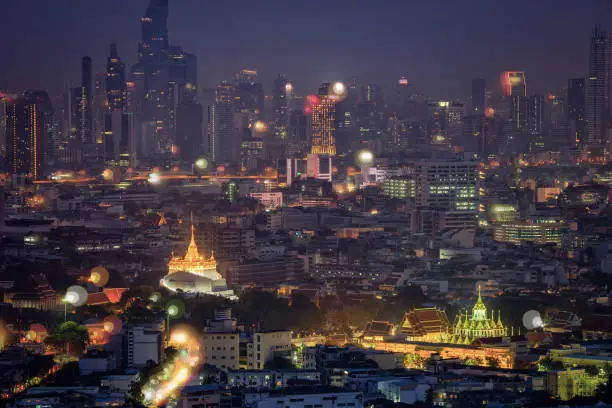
pixel 502 213
pixel 399 187
pixel 521 231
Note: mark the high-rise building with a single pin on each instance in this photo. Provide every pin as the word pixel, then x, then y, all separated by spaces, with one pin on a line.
pixel 85 103
pixel 115 103
pixel 449 190
pixel 324 123
pixel 248 93
pixel 298 133
pixel 402 96
pixel 280 90
pixel 479 95
pixel 25 136
pixel 513 83
pixel 188 137
pixel 128 142
pixel 535 118
pixel 164 78
pixel 598 91
pixel 115 80
pixel 221 124
pixel 451 185
pixel 99 108
pixel 576 111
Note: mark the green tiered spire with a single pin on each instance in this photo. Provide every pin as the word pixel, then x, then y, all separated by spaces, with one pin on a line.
pixel 478 325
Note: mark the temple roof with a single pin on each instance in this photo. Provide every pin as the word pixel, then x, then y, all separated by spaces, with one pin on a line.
pixel 193 262
pixel 419 322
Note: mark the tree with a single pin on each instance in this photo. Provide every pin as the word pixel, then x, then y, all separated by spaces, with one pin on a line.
pixel 492 362
pixel 279 363
pixel 413 360
pixel 591 371
pixel 548 364
pixel 69 337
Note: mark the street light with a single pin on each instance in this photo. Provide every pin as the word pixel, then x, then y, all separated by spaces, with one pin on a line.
pixel 65 302
pixel 200 163
pixel 172 312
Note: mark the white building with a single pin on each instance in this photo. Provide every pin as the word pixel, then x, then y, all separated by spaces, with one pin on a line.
pixel 404 390
pixel 265 346
pixel 330 399
pixel 143 343
pixel 266 379
pixel 220 341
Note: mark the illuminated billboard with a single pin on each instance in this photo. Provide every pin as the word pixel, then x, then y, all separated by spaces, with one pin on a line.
pixel 513 83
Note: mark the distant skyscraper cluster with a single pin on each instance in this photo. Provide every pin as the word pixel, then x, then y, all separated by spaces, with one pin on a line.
pixel 150 114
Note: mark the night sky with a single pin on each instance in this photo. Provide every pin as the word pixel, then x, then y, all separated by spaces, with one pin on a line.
pixel 440 44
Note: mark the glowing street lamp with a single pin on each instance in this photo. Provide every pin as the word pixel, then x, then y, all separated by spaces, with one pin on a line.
pixel 65 302
pixel 154 178
pixel 365 158
pixel 201 163
pixel 172 311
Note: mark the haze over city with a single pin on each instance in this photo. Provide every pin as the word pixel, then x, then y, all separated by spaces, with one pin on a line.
pixel 316 204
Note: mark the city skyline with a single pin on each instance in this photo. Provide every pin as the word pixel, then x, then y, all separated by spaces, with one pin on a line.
pixel 440 48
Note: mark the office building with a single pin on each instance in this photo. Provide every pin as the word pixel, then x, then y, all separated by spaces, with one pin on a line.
pixel 86 100
pixel 298 133
pixel 188 135
pixel 251 154
pixel 115 80
pixel 25 136
pixel 249 93
pixel 319 167
pixel 324 123
pixel 128 142
pixel 479 95
pixel 401 188
pixel 523 232
pixel 576 111
pixel 141 343
pixel 265 346
pixel 281 89
pixel 513 83
pixel 598 92
pixel 320 399
pixel 221 124
pixel 450 185
pixel 220 341
pixel 535 119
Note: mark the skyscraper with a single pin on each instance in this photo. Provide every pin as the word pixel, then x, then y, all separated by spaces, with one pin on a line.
pixel 115 102
pixel 324 123
pixel 279 106
pixel 189 130
pixel 151 75
pixel 115 80
pixel 221 124
pixel 598 91
pixel 535 119
pixel 248 93
pixel 479 95
pixel 576 111
pixel 25 136
pixel 85 102
pixel 513 83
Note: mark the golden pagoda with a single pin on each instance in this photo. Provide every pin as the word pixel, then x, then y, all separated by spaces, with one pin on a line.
pixel 194 263
pixel 478 325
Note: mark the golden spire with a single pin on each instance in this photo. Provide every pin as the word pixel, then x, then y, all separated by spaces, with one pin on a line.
pixel 192 250
pixel 193 262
